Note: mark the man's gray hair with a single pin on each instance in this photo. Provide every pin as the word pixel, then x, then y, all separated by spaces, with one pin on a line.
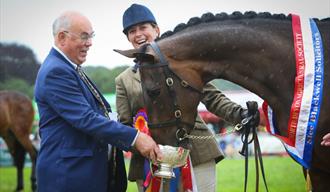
pixel 61 23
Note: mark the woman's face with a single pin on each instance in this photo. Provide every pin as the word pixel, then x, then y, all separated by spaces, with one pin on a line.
pixel 142 33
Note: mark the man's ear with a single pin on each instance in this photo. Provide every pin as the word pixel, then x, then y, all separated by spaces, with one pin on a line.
pixel 60 38
pixel 61 34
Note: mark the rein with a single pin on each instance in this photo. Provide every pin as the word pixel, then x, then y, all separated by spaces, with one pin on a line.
pixel 247 128
pixel 244 151
pixel 170 77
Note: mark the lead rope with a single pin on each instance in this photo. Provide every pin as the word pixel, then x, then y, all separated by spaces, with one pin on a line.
pixel 244 150
pixel 236 128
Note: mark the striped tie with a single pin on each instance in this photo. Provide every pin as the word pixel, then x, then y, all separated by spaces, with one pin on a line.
pixel 90 86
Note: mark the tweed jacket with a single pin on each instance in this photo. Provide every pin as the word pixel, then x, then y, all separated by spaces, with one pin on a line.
pixel 129 100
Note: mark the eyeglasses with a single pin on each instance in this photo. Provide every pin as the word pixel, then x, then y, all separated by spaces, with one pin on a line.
pixel 83 37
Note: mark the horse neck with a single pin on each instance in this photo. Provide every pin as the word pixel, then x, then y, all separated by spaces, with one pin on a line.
pixel 258 55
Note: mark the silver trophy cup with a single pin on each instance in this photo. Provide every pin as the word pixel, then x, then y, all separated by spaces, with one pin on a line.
pixel 172 157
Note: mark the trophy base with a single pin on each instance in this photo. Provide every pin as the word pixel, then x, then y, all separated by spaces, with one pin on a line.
pixel 165 171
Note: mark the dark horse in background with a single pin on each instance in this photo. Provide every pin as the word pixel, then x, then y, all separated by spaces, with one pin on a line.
pixel 16 119
pixel 253 50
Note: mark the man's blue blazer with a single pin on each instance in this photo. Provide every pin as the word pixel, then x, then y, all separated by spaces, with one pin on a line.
pixel 74 131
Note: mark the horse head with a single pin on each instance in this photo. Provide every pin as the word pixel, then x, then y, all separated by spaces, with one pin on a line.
pixel 170 112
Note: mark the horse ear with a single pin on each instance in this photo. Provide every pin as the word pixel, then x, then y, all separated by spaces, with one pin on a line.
pixel 144 57
pixel 128 53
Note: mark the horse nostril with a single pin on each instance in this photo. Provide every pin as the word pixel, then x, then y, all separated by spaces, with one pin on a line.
pixel 153 92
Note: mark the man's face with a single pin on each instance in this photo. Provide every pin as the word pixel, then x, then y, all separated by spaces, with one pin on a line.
pixel 142 33
pixel 78 40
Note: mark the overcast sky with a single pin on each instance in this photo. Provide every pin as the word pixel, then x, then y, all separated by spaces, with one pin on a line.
pixel 29 22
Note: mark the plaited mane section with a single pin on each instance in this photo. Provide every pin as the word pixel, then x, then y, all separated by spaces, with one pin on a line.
pixel 210 17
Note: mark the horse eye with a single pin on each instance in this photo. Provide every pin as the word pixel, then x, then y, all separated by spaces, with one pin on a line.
pixel 153 93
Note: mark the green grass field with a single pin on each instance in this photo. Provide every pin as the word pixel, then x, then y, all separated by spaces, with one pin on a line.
pixel 282 174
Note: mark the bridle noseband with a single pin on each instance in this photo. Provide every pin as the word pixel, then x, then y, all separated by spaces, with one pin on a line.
pixel 170 78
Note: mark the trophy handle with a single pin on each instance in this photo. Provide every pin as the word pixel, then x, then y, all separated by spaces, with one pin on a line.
pixel 151 170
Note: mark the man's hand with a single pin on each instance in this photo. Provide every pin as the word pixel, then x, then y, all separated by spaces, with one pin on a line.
pixel 148 147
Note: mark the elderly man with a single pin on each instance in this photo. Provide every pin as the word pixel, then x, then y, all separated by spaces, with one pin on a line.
pixel 75 129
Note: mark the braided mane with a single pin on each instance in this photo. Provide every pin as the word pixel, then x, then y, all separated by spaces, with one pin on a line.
pixel 209 17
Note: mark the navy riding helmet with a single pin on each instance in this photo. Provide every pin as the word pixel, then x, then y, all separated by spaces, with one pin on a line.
pixel 136 14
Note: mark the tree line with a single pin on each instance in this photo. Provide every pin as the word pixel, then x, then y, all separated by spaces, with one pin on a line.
pixel 19 67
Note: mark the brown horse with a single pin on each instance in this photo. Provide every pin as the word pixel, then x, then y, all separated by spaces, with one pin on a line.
pixel 253 50
pixel 16 118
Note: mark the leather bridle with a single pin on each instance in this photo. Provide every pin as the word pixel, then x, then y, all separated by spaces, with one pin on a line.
pixel 170 77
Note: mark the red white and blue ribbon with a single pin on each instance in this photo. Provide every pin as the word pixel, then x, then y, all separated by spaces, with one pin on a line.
pixel 184 174
pixel 308 90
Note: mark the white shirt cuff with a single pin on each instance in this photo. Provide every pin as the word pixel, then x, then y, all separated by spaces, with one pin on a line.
pixel 137 134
